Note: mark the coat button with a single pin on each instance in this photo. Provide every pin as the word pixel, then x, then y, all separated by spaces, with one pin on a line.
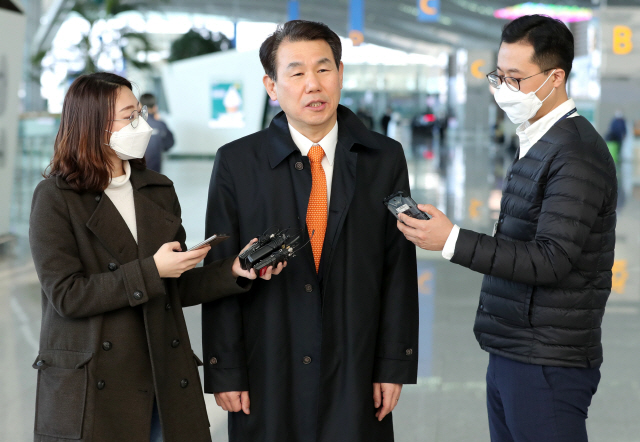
pixel 306 360
pixel 299 165
pixel 409 351
pixel 184 383
pixel 137 295
pixel 481 306
pixel 40 363
pixel 167 306
pixel 501 220
pixel 106 345
pixel 213 361
pixel 511 176
pixel 308 288
pixel 98 198
pixel 175 343
pixel 112 266
pixel 101 385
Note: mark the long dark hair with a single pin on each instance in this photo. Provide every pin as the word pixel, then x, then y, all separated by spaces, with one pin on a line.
pixel 81 155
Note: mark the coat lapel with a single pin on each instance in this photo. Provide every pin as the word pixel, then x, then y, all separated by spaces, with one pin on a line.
pixel 342 190
pixel 112 231
pixel 156 226
pixel 352 135
pixel 283 149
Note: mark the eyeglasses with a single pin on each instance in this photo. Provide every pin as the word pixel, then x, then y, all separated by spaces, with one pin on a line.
pixel 512 83
pixel 133 118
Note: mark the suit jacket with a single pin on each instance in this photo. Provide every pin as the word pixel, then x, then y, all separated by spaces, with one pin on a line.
pixel 113 335
pixel 309 346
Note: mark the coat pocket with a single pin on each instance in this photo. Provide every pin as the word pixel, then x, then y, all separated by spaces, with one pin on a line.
pixel 61 393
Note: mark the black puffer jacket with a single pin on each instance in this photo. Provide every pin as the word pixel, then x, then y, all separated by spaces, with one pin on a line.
pixel 548 268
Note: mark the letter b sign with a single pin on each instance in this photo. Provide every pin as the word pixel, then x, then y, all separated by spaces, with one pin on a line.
pixel 622 40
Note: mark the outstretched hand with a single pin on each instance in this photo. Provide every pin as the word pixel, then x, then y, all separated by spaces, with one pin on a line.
pixel 171 264
pixel 237 269
pixel 430 234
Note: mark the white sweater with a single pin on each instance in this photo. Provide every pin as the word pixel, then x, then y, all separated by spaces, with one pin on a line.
pixel 120 193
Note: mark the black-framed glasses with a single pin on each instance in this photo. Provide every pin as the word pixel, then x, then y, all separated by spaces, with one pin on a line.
pixel 134 117
pixel 512 83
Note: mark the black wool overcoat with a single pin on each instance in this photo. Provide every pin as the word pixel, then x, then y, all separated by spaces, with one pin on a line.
pixel 113 335
pixel 308 347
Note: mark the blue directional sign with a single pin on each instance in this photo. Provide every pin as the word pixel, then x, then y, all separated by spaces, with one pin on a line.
pixel 294 10
pixel 428 10
pixel 356 22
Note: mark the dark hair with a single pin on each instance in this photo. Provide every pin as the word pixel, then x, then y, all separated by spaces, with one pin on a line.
pixel 148 100
pixel 81 155
pixel 297 30
pixel 552 41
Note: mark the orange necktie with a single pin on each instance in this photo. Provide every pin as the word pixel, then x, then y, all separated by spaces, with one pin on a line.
pixel 317 210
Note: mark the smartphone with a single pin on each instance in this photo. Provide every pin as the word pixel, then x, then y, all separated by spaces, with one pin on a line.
pixel 212 240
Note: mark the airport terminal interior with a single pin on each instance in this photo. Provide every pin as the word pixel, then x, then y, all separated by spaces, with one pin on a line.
pixel 414 71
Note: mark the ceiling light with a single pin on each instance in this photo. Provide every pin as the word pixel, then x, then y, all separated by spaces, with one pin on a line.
pixel 567 14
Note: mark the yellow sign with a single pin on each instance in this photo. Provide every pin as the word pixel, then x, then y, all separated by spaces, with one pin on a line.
pixel 620 276
pixel 475 68
pixel 356 37
pixel 474 205
pixel 622 40
pixel 422 283
pixel 426 7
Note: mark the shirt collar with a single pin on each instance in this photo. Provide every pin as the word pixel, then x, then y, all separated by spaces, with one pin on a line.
pixel 535 131
pixel 328 143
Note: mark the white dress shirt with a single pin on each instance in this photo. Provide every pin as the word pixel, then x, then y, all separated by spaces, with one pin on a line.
pixel 328 144
pixel 120 192
pixel 529 134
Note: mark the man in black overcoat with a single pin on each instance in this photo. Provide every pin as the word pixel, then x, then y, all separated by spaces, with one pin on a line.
pixel 321 353
pixel 548 264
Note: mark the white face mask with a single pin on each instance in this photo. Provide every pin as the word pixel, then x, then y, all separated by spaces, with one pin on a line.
pixel 519 106
pixel 130 143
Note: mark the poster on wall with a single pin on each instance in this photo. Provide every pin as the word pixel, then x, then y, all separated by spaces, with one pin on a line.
pixel 227 106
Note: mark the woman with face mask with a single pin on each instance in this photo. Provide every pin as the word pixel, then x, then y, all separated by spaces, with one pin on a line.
pixel 115 362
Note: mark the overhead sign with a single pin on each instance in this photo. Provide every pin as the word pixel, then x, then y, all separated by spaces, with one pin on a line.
pixel 356 22
pixel 475 68
pixel 294 10
pixel 428 10
pixel 622 40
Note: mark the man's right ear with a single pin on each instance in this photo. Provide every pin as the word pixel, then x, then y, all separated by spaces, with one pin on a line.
pixel 270 86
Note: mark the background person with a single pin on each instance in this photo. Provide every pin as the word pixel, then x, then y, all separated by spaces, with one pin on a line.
pixel 115 362
pixel 616 135
pixel 322 352
pixel 548 266
pixel 161 137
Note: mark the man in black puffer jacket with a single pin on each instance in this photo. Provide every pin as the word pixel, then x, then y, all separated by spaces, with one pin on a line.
pixel 548 265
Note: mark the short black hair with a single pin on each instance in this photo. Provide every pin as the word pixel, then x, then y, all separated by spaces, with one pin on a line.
pixel 297 30
pixel 148 100
pixel 552 41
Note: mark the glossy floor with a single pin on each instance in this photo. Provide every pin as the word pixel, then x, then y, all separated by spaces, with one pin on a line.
pixel 448 403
